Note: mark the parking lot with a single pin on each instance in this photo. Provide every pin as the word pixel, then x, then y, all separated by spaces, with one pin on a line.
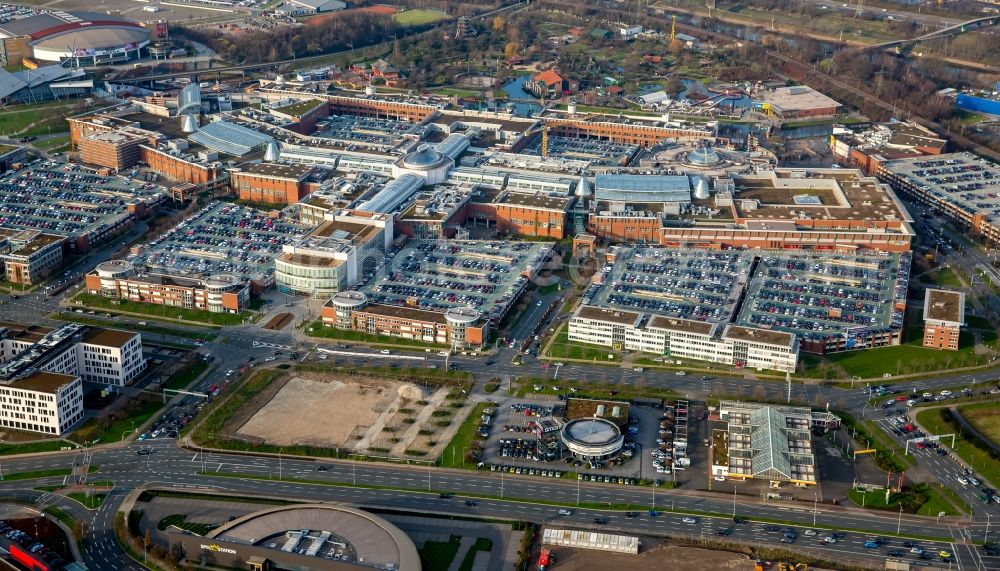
pixel 437 275
pixel 821 296
pixel 693 284
pixel 512 445
pixel 222 238
pixel 69 200
pixel 816 295
pixel 598 153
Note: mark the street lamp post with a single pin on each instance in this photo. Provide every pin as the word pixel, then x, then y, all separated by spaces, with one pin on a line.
pixel 815 500
pixel 734 500
pixel 899 522
pixel 279 463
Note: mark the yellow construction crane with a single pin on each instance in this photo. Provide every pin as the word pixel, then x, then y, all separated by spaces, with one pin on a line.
pixel 673 27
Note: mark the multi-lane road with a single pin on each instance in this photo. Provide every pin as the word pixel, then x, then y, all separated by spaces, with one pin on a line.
pixel 523 497
pixel 520 498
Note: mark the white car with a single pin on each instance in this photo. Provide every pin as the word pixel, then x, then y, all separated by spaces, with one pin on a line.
pixel 946 393
pixel 963 481
pixel 809 532
pixel 442 353
pixel 720 478
pixel 680 373
pixel 565 512
pixel 270 359
pixel 690 520
pixel 384 352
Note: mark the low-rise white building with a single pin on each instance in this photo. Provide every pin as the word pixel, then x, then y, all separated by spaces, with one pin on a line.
pixel 95 354
pixel 685 338
pixel 50 403
pixel 42 371
pixel 110 356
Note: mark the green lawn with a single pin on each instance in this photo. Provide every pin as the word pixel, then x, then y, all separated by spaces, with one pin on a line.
pixel 908 358
pixel 92 501
pixel 589 389
pixel 888 455
pixel 984 418
pixel 151 329
pixel 979 458
pixel 182 379
pixel 317 329
pixel 562 348
pixel 36 474
pixel 943 499
pixel 60 515
pixel 16 118
pixel 158 311
pixel 138 412
pixel 437 555
pixel 457 92
pixel 299 108
pixel 31 447
pixel 54 143
pixel 942 277
pixel 463 439
pixel 418 17
pixel 921 499
pixel 206 431
pixel 179 520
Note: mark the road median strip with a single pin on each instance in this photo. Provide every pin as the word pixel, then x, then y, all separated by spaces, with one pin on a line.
pixel 601 506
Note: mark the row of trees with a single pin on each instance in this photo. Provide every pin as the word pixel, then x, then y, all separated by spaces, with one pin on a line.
pixel 331 34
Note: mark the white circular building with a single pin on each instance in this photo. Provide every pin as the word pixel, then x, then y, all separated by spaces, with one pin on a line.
pixel 114 269
pixel 427 162
pixel 592 438
pixel 458 319
pixel 87 38
pixel 216 286
pixel 109 273
pixel 345 303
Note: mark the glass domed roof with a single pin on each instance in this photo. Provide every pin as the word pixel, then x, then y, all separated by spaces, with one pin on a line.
pixel 704 156
pixel 424 157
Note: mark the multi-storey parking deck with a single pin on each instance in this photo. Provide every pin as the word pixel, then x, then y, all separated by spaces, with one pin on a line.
pixel 69 200
pixel 438 275
pixel 596 152
pixel 223 238
pixel 367 131
pixel 963 186
pixel 831 301
pixel 693 284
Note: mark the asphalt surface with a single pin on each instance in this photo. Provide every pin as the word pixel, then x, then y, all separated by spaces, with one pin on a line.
pixel 170 466
pixel 522 496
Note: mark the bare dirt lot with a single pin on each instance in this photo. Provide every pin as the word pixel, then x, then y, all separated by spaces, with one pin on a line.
pixel 658 557
pixel 321 412
pixel 351 413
